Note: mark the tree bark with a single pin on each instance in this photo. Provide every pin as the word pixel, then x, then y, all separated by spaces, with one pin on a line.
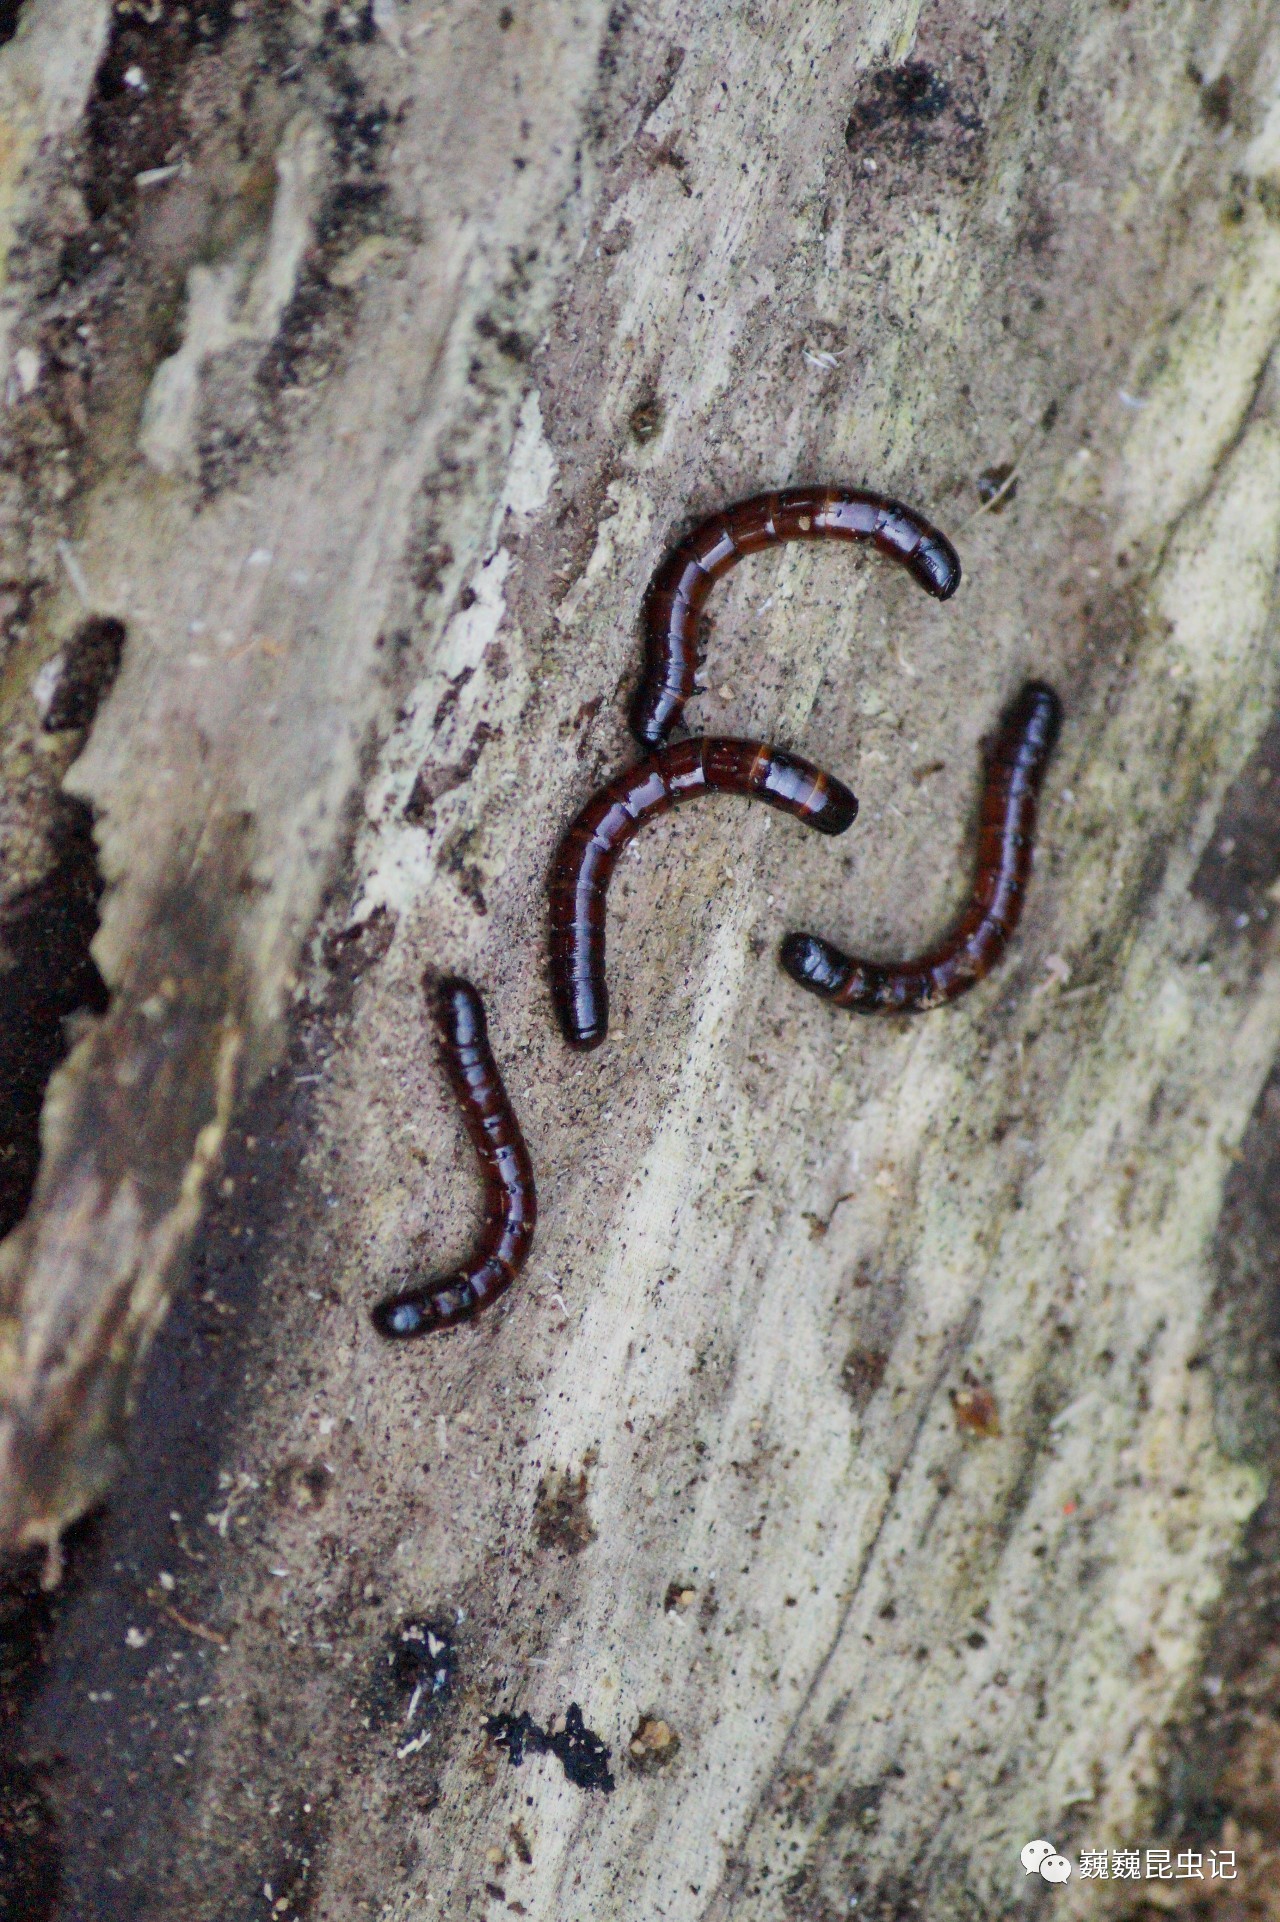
pixel 413 337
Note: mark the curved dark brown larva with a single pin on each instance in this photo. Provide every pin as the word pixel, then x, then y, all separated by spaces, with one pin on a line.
pixel 587 854
pixel 678 591
pixel 1015 770
pixel 510 1203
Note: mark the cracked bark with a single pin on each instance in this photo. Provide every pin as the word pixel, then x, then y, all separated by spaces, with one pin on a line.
pixel 363 365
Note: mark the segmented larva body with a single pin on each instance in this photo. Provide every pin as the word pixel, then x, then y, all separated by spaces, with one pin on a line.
pixel 1016 764
pixel 678 591
pixel 511 1203
pixel 588 852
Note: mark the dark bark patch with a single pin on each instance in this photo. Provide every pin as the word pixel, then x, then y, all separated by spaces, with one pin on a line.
pixel 351 952
pixel 47 978
pixel 88 668
pixel 861 1374
pixel 903 116
pixel 1241 863
pixel 434 780
pixel 30 1874
pixel 560 1518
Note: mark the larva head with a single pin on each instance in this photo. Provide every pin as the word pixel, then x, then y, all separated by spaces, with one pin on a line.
pixel 402 1316
pixel 582 1003
pixel 1039 712
pixel 419 1311
pixel 460 1010
pixel 814 963
pixel 786 781
pixel 936 566
pixel 653 714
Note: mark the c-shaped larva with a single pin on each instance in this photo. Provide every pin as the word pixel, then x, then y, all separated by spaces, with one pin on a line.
pixel 678 591
pixel 586 857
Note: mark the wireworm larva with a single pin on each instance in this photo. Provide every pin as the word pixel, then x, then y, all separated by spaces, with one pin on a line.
pixel 678 591
pixel 1016 764
pixel 586 856
pixel 510 1201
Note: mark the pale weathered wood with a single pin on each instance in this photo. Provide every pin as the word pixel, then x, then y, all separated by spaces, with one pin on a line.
pixel 629 268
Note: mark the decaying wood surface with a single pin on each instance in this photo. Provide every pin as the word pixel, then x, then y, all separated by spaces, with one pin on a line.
pixel 853 1451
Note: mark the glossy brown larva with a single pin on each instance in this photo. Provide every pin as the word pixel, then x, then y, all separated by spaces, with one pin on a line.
pixel 511 1204
pixel 586 857
pixel 678 591
pixel 1016 765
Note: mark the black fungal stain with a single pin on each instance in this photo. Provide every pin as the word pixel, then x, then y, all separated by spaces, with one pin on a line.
pixel 47 976
pixel 414 1674
pixel 90 664
pixel 908 116
pixel 578 1749
pixel 911 93
pixel 509 341
pixel 1215 97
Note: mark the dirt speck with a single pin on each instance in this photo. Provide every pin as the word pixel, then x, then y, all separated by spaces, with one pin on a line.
pixel 645 418
pixel 975 1410
pixel 302 1485
pixel 997 486
pixel 414 1674
pixel 653 1745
